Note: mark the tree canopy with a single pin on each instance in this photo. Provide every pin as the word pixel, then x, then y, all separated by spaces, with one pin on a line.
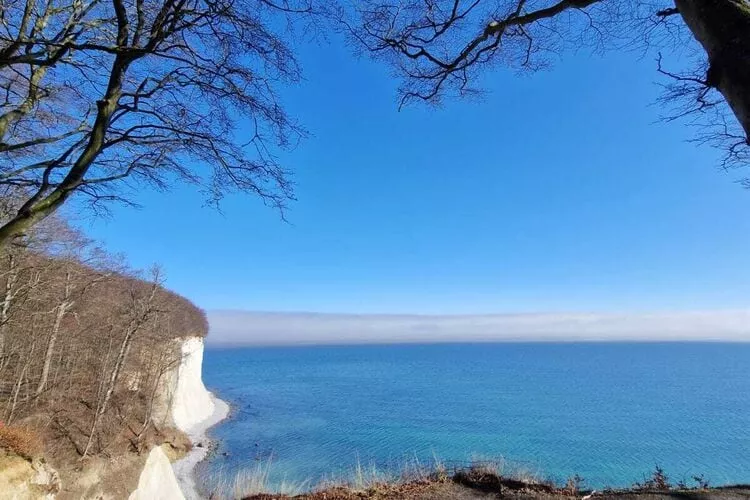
pixel 440 47
pixel 104 95
pixel 142 92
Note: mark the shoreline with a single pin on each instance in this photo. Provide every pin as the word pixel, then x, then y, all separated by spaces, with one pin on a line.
pixel 184 469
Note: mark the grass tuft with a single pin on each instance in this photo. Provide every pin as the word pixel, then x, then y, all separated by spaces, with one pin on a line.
pixel 252 482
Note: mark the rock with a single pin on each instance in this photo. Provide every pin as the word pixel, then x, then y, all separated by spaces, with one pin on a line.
pixel 46 478
pixel 157 480
pixel 21 479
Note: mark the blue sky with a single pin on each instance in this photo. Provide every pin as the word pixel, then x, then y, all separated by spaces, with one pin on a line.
pixel 558 191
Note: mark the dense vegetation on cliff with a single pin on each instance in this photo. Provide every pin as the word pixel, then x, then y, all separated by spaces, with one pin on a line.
pixel 85 346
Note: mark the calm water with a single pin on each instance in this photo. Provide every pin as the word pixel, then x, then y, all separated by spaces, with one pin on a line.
pixel 608 412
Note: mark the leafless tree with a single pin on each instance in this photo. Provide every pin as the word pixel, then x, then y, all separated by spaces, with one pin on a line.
pixel 439 47
pixel 139 311
pixel 86 344
pixel 100 95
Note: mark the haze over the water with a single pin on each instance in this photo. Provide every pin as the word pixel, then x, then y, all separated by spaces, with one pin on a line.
pixel 263 328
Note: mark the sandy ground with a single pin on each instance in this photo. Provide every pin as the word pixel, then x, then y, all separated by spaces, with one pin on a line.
pixel 184 469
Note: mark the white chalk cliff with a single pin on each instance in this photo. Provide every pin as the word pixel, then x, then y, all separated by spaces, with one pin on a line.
pixel 192 409
pixel 157 480
pixel 191 402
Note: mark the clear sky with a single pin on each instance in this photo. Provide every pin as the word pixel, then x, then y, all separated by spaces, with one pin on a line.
pixel 559 191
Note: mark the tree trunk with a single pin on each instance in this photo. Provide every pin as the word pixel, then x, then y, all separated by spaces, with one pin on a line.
pixel 143 312
pixel 111 385
pixel 48 199
pixel 13 403
pixel 62 309
pixel 723 29
pixel 10 282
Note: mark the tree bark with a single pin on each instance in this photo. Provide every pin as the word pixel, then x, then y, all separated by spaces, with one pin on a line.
pixel 10 282
pixel 13 402
pixel 723 29
pixel 62 309
pixel 44 202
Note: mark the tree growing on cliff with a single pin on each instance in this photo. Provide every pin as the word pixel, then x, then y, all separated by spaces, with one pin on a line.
pixel 99 95
pixel 86 344
pixel 438 48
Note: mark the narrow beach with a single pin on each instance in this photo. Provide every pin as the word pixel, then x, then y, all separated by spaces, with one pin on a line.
pixel 184 469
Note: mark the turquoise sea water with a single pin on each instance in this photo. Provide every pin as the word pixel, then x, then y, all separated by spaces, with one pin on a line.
pixel 608 412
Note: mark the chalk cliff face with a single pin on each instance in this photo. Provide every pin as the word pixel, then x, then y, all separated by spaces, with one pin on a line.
pixel 191 402
pixel 157 481
pixel 186 404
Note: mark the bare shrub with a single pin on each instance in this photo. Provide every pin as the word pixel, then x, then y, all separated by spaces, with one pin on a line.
pixel 21 440
pixel 701 482
pixel 658 481
pixel 573 485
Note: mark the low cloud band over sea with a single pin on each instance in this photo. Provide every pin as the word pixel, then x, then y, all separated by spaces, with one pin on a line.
pixel 266 328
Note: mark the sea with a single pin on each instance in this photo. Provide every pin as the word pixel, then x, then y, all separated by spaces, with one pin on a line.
pixel 607 412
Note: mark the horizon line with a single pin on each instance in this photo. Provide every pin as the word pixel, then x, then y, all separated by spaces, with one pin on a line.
pixel 282 328
pixel 232 345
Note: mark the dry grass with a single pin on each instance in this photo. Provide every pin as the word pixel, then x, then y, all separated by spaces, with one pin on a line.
pixel 23 441
pixel 412 479
pixel 251 482
pixel 370 477
pixel 481 480
pixel 497 476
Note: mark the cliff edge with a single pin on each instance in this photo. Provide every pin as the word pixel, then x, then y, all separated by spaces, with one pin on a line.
pixel 191 402
pixel 191 408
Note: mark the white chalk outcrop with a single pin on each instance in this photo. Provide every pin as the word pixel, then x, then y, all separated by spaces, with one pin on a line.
pixel 187 404
pixel 157 480
pixel 193 410
pixel 191 402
